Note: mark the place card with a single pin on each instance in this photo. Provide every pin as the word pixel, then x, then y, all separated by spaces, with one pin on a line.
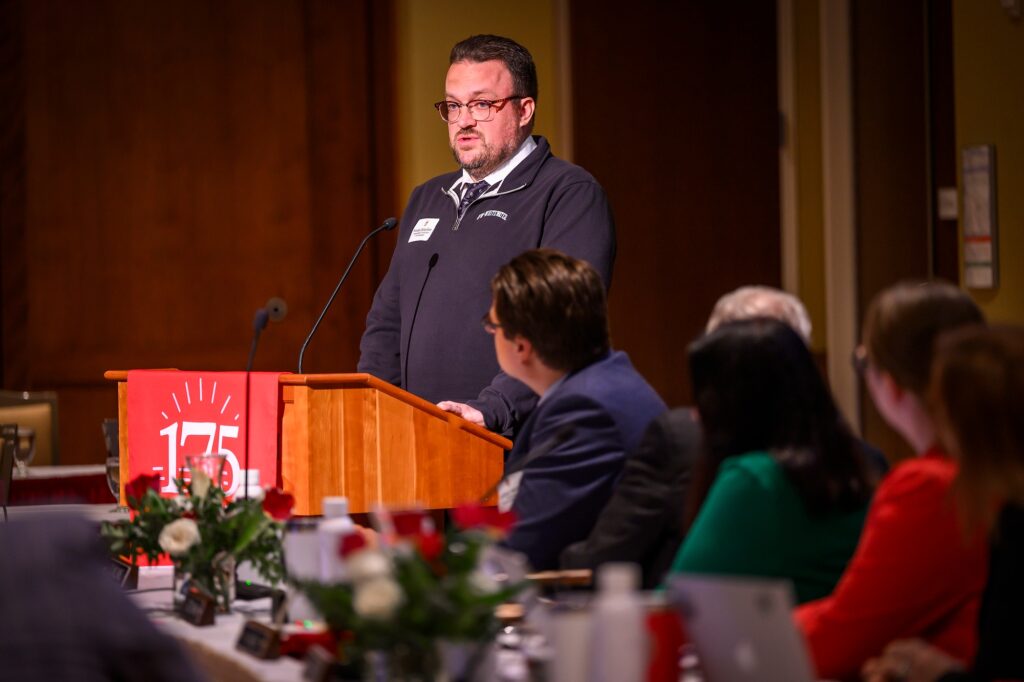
pixel 319 664
pixel 124 573
pixel 260 640
pixel 199 607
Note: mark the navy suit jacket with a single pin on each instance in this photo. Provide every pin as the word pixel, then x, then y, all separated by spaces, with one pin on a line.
pixel 643 520
pixel 562 493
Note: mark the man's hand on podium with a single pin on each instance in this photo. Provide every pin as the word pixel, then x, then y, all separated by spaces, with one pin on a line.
pixel 470 414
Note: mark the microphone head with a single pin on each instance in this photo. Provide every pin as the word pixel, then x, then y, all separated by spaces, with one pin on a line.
pixel 390 223
pixel 276 308
pixel 433 261
pixel 259 322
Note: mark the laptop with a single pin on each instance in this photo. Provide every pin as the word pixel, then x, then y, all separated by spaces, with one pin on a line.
pixel 742 628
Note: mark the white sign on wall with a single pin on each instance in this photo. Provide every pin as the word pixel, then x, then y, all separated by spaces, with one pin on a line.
pixel 981 252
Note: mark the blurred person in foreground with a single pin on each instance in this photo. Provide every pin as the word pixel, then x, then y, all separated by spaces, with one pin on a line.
pixel 978 394
pixel 643 521
pixel 64 617
pixel 913 574
pixel 782 487
pixel 550 327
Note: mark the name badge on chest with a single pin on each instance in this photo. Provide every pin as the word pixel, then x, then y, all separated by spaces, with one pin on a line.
pixel 422 230
pixel 508 490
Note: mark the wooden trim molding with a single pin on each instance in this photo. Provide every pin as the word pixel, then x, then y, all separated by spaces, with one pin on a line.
pixel 788 198
pixel 839 198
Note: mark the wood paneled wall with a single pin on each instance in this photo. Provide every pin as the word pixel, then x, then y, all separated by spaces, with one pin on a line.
pixel 675 113
pixel 891 147
pixel 169 166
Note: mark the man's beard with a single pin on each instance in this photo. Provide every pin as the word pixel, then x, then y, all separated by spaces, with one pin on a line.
pixel 488 159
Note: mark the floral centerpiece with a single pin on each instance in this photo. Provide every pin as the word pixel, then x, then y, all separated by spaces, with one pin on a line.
pixel 204 534
pixel 417 592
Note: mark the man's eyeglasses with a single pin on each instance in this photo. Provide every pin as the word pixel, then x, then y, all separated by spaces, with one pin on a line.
pixel 859 360
pixel 479 109
pixel 489 326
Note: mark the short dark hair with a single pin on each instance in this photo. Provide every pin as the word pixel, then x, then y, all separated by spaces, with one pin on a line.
pixel 515 57
pixel 557 303
pixel 757 388
pixel 903 322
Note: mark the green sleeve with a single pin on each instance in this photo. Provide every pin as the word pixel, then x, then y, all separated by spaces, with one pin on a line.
pixel 736 531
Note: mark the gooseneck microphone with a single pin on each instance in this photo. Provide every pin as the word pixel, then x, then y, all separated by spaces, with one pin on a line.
pixel 259 323
pixel 274 311
pixel 412 323
pixel 389 224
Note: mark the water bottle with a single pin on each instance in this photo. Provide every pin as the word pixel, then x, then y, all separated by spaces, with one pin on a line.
pixel 618 645
pixel 251 485
pixel 302 562
pixel 332 529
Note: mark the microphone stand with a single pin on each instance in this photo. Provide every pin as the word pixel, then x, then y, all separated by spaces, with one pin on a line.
pixel 389 224
pixel 412 323
pixel 259 323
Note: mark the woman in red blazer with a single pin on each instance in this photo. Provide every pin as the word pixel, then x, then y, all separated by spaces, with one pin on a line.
pixel 913 574
pixel 978 392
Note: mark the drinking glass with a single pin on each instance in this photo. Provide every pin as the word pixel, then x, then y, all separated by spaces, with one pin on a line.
pixel 26 449
pixel 211 465
pixel 113 461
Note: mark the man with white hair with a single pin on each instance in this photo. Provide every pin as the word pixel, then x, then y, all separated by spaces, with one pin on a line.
pixel 760 301
pixel 643 520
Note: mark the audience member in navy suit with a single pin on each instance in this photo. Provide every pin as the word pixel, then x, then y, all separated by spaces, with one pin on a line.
pixel 549 321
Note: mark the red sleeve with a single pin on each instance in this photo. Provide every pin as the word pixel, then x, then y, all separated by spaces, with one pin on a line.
pixel 912 575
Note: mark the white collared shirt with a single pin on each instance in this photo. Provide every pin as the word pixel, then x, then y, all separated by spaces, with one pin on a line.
pixel 509 488
pixel 495 178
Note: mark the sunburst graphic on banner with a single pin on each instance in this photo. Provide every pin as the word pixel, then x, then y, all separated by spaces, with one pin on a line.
pixel 191 414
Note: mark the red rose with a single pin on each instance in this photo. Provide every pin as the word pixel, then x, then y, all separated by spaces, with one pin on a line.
pixel 136 489
pixel 278 504
pixel 351 543
pixel 430 545
pixel 468 516
pixel 477 516
pixel 410 522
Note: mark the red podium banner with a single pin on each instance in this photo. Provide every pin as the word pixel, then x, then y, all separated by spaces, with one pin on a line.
pixel 179 414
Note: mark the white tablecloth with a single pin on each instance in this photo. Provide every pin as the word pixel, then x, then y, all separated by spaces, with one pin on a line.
pixel 213 647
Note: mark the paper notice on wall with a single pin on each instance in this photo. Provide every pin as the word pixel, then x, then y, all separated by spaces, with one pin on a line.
pixel 980 249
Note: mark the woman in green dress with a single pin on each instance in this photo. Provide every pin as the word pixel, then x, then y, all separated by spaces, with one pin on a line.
pixel 782 487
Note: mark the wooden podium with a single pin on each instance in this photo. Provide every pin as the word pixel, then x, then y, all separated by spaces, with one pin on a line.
pixel 358 436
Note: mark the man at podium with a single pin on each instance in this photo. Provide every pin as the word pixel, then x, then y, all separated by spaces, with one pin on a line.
pixel 511 194
pixel 550 328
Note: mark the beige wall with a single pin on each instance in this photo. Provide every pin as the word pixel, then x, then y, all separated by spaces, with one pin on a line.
pixel 807 135
pixel 988 65
pixel 425 32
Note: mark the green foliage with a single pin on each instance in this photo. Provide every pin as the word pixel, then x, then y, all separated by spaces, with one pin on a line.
pixel 442 599
pixel 239 529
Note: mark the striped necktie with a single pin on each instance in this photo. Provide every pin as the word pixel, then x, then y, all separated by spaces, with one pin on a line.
pixel 473 191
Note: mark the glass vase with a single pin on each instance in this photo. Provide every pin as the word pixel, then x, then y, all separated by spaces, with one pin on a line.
pixel 225 579
pixel 402 664
pixel 178 580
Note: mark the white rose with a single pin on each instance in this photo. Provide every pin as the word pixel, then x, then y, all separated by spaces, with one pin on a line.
pixel 367 564
pixel 482 583
pixel 200 484
pixel 377 598
pixel 178 536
